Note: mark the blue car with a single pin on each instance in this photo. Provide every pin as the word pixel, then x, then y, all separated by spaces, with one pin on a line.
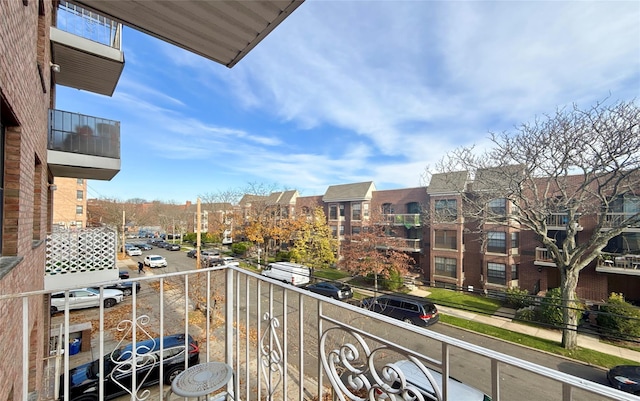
pixel 84 379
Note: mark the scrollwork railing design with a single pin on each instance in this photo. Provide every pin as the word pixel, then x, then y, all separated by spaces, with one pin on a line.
pixel 360 373
pixel 126 359
pixel 271 355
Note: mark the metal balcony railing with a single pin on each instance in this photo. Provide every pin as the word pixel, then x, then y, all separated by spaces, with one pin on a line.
pixel 626 264
pixel 408 220
pixel 89 25
pixel 282 342
pixel 617 219
pixel 79 133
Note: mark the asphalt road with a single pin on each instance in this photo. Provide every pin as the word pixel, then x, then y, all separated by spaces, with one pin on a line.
pixel 468 367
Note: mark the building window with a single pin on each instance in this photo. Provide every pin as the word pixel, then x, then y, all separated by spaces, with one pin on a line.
pixel 341 210
pixel 496 273
pixel 333 212
pixel 498 207
pixel 497 242
pixel 356 211
pixel 79 195
pixel 80 181
pixel 446 209
pixel 514 272
pixel 515 243
pixel 413 208
pixel 355 230
pixel 365 211
pixel 445 267
pixel 446 239
pixel 387 208
pixel 78 209
pixel 341 230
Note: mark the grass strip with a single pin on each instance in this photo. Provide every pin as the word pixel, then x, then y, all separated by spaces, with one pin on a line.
pixel 581 354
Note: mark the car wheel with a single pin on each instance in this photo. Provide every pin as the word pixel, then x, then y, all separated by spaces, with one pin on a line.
pixel 171 375
pixel 407 320
pixel 108 303
pixel 126 291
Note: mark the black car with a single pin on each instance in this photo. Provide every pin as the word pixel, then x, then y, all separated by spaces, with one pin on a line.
pixel 172 247
pixel 83 383
pixel 192 253
pixel 625 378
pixel 334 290
pixel 414 310
pixel 125 287
pixel 144 247
pixel 123 274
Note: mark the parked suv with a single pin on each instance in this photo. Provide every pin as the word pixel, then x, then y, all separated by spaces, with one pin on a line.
pixel 414 310
pixel 83 380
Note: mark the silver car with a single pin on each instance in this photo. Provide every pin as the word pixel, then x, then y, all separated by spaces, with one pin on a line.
pixel 85 298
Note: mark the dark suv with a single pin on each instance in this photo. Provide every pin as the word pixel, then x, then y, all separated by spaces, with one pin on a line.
pixel 414 310
pixel 118 371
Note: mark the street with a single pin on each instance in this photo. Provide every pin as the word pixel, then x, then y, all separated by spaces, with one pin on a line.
pixel 470 368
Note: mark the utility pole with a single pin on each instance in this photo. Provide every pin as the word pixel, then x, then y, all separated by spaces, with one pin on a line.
pixel 124 252
pixel 198 234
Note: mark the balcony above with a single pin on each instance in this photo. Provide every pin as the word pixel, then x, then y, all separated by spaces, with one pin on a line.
pixel 612 220
pixel 80 146
pixel 222 31
pixel 620 264
pixel 543 258
pixel 559 221
pixel 88 50
pixel 404 244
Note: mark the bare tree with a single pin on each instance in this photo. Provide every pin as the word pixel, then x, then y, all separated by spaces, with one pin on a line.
pixel 580 163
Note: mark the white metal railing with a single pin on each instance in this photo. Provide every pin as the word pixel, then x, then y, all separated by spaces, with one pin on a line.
pixel 89 25
pixel 284 342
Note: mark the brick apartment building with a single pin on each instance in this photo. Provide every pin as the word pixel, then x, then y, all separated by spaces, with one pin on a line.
pixel 70 205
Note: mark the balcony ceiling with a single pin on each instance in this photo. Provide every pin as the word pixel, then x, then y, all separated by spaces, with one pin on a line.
pixel 222 30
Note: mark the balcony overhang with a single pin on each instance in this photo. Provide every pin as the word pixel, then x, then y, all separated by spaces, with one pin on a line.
pixel 222 31
pixel 76 165
pixel 85 64
pixel 603 268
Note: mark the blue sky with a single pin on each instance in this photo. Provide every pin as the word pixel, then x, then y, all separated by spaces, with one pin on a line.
pixel 352 91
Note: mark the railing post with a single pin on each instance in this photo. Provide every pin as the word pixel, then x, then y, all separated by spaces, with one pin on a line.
pixel 228 317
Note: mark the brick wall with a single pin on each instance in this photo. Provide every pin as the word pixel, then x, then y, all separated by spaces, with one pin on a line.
pixel 24 45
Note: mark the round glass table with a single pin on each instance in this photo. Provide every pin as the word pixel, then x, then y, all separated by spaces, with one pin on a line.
pixel 202 379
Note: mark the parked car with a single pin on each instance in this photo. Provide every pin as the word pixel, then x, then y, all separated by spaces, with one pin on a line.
pixel 230 261
pixel 288 272
pixel 126 287
pixel 85 298
pixel 625 378
pixel 192 253
pixel 417 379
pixel 334 290
pixel 126 247
pixel 413 310
pixel 144 247
pixel 172 247
pixel 123 274
pixel 134 251
pixel 155 261
pixel 84 380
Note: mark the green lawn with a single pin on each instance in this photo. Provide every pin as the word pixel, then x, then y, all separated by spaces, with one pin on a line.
pixel 330 274
pixel 580 354
pixel 462 300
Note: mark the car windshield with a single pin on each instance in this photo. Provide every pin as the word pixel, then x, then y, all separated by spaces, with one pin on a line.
pixel 156 258
pixel 93 290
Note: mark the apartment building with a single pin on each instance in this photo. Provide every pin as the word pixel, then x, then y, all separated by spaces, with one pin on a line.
pixel 70 203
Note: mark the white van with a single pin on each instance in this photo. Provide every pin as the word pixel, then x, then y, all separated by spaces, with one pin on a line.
pixel 288 272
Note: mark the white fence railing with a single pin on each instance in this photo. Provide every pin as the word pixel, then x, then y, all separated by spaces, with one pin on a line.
pixel 284 342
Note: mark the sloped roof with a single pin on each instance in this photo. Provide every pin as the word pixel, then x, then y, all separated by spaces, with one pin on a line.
pixel 448 183
pixel 497 178
pixel 349 192
pixel 282 198
pixel 248 199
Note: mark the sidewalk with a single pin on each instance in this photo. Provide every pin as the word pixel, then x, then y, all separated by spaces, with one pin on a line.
pixel 584 341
